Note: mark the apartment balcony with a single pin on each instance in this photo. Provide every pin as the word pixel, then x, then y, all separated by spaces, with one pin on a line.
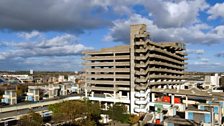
pixel 154 76
pixel 101 88
pixel 142 94
pixel 108 64
pixel 107 57
pixel 108 88
pixel 144 72
pixel 108 82
pixel 138 110
pixel 169 54
pixel 181 53
pixel 108 70
pixel 161 51
pixel 109 98
pixel 148 55
pixel 143 65
pixel 143 87
pixel 144 50
pixel 108 76
pixel 141 102
pixel 138 94
pixel 140 43
pixel 123 88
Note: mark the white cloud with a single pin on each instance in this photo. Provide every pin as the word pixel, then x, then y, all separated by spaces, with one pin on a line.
pixel 122 7
pixel 64 45
pixel 175 13
pixel 196 51
pixel 120 29
pixel 203 59
pixel 205 66
pixel 216 11
pixel 189 34
pixel 51 15
pixel 219 30
pixel 29 35
pixel 66 63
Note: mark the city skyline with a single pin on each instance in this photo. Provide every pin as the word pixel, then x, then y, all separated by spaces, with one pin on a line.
pixel 51 35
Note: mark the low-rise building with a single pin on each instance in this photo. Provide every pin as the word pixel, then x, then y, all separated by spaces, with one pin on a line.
pixel 61 78
pixel 64 89
pixel 212 80
pixel 71 78
pixel 10 97
pixel 33 93
pixel 53 90
pixel 23 78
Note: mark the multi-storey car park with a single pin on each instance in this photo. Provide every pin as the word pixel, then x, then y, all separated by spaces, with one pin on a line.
pixel 126 74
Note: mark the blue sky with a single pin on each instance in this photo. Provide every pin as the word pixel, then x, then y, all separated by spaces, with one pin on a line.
pixel 50 35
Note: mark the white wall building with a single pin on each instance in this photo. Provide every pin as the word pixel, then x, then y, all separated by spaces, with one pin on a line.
pixel 61 78
pixel 33 93
pixel 64 89
pixel 53 90
pixel 10 97
pixel 71 78
pixel 212 80
pixel 22 77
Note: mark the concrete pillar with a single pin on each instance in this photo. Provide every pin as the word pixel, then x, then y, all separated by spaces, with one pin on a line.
pixel 172 99
pixel 92 94
pixel 105 106
pixel 114 94
pixel 174 86
pixel 186 101
pixel 170 86
pixel 120 94
pixel 85 92
pixel 213 116
pixel 153 97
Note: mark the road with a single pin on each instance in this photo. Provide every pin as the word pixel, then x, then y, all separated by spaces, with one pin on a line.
pixel 21 109
pixel 20 112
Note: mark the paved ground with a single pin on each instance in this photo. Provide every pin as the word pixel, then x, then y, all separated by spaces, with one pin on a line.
pixel 20 112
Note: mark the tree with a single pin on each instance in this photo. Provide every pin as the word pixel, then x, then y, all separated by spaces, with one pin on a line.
pixel 32 119
pixel 67 111
pixel 79 113
pixel 93 111
pixel 133 119
pixel 118 112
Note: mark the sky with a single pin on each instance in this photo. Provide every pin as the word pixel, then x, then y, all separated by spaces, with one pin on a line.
pixel 50 35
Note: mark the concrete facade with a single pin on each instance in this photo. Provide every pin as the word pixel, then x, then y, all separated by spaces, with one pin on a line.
pixel 126 74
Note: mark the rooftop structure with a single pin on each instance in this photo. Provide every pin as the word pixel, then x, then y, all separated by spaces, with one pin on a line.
pixel 127 73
